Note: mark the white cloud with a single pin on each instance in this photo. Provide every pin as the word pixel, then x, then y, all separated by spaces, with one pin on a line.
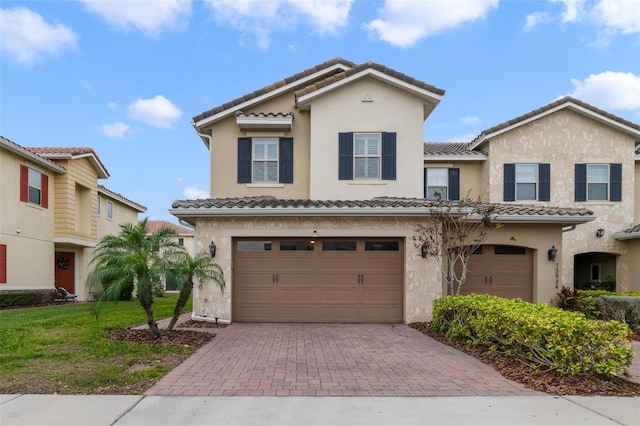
pixel 155 112
pixel 609 90
pixel 465 137
pixel 25 36
pixel 536 18
pixel 194 193
pixel 112 106
pixel 470 121
pixel 403 23
pixel 257 18
pixel 150 17
pixel 573 10
pixel 619 16
pixel 115 130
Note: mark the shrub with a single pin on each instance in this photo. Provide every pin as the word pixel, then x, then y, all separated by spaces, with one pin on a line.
pixel 620 308
pixel 541 336
pixel 567 299
pixel 12 298
pixel 587 301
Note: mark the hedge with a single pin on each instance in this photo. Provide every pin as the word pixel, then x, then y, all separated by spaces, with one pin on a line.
pixel 546 338
pixel 587 300
pixel 11 298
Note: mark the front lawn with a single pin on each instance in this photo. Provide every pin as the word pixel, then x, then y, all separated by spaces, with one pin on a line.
pixel 62 349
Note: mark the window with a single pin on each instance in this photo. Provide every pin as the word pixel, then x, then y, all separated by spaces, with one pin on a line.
pixel 595 272
pixel 34 187
pixel 441 183
pixel 367 156
pixel 265 160
pixel 99 209
pixel 598 182
pixel 339 245
pixel 527 182
pixel 3 263
pixel 254 246
pixel 180 241
pixel 293 245
pixel 109 209
pixel 381 246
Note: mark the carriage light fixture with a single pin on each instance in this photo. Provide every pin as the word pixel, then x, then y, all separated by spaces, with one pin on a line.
pixel 553 251
pixel 424 250
pixel 212 249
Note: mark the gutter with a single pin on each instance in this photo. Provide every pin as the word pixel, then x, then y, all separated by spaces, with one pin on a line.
pixel 626 235
pixel 571 228
pixel 203 136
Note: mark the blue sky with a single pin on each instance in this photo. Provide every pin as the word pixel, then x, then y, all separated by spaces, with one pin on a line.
pixel 126 77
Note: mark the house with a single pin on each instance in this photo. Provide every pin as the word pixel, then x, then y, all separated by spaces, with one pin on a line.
pixel 317 185
pixel 52 214
pixel 185 238
pixel 566 153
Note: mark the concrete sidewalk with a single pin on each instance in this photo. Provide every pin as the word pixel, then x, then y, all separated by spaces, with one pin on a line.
pixel 123 410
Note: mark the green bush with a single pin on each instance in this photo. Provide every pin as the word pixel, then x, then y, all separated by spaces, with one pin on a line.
pixel 587 301
pixel 541 336
pixel 12 298
pixel 620 308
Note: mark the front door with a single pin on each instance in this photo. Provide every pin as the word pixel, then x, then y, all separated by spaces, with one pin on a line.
pixel 65 270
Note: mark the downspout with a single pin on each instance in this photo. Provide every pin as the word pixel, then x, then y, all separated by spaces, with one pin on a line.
pixel 571 228
pixel 209 319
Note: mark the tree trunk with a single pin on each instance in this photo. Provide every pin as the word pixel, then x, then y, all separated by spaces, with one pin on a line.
pixel 185 294
pixel 151 322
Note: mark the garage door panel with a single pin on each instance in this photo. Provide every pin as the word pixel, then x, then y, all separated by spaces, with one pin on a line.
pixel 254 313
pixel 382 296
pixel 296 295
pixel 255 295
pixel 292 313
pixel 339 295
pixel 253 263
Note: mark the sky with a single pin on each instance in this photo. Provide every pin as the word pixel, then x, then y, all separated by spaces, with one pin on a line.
pixel 126 77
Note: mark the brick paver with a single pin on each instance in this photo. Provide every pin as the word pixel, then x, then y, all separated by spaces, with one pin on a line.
pixel 331 360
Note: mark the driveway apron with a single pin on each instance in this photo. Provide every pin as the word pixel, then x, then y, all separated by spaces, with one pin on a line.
pixel 331 360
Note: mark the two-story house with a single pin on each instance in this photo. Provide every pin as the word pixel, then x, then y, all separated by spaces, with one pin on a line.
pixel 566 153
pixel 52 214
pixel 317 186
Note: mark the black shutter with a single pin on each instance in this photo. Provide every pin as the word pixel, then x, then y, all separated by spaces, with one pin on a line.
pixel 615 180
pixel 424 181
pixel 244 160
pixel 454 184
pixel 509 184
pixel 388 156
pixel 345 156
pixel 285 174
pixel 581 182
pixel 544 182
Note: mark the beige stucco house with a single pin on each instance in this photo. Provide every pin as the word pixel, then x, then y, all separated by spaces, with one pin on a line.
pixel 52 214
pixel 318 182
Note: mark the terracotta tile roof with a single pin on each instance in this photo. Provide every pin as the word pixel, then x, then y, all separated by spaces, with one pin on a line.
pixel 632 230
pixel 269 202
pixel 26 152
pixel 450 148
pixel 552 105
pixel 69 152
pixel 359 68
pixel 155 225
pixel 272 87
pixel 265 114
pixel 120 197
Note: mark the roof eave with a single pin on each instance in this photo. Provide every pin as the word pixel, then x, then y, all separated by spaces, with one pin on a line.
pixel 138 207
pixel 626 235
pixel 462 157
pixel 31 156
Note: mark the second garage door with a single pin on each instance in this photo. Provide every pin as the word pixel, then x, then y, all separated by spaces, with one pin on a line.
pixel 322 280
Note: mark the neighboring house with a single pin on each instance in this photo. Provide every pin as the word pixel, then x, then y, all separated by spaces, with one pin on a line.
pixel 567 153
pixel 185 238
pixel 318 184
pixel 52 214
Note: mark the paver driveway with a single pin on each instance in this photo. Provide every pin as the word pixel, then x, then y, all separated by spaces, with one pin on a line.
pixel 331 360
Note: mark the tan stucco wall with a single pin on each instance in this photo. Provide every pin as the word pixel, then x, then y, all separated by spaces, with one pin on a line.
pixel 391 110
pixel 224 153
pixel 26 229
pixel 563 139
pixel 636 196
pixel 633 253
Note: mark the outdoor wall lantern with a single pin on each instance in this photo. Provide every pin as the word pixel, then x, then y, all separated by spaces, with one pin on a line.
pixel 600 233
pixel 212 249
pixel 553 251
pixel 424 250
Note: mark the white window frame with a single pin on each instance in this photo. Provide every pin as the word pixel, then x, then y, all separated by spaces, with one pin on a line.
pixel 535 182
pixel 607 182
pixel 34 182
pixel 99 207
pixel 366 156
pixel 254 160
pixel 446 186
pixel 109 210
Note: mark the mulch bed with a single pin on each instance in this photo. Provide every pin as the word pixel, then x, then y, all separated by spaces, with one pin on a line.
pixel 549 382
pixel 201 324
pixel 184 338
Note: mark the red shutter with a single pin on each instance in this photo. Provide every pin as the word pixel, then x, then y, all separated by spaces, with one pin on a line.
pixel 44 183
pixel 24 183
pixel 3 264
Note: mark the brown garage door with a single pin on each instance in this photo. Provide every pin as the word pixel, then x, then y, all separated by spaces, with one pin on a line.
pixel 504 271
pixel 321 280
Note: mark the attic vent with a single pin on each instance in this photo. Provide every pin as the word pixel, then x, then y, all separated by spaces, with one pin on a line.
pixel 367 98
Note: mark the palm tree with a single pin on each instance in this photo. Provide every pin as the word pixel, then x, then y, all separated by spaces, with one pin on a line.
pixel 187 269
pixel 131 257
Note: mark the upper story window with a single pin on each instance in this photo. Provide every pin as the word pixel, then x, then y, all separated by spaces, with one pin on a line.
pixel 441 183
pixel 265 160
pixel 34 187
pixel 527 182
pixel 598 182
pixel 180 241
pixel 109 209
pixel 99 207
pixel 367 156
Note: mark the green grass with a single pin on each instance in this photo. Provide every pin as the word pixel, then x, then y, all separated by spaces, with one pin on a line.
pixel 62 349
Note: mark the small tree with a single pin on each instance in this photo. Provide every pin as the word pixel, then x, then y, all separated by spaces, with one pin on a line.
pixel 454 231
pixel 126 258
pixel 187 269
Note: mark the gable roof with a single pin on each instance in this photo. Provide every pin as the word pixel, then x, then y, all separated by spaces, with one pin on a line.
pixel 155 225
pixel 451 151
pixel 379 206
pixel 63 153
pixel 565 102
pixel 121 198
pixel 25 153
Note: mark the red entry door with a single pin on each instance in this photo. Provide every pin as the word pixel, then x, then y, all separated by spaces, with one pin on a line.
pixel 65 270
